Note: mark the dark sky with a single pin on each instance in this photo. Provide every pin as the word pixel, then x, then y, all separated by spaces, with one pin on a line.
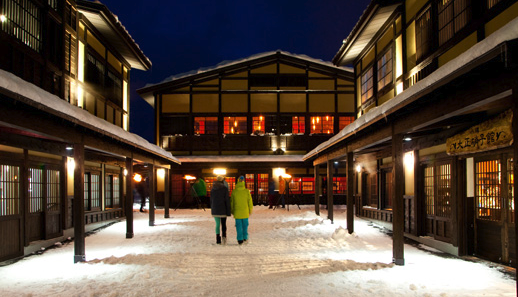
pixel 179 36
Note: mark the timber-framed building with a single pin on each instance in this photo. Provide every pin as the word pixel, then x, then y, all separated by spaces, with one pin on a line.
pixel 66 154
pixel 432 150
pixel 254 117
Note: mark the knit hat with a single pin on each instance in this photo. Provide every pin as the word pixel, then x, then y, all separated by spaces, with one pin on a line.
pixel 220 178
pixel 241 178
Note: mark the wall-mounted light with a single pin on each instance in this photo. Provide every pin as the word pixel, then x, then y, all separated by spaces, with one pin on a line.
pixel 137 177
pixel 69 148
pixel 219 171
pixel 408 138
pixel 160 172
pixel 189 177
pixel 71 165
pixel 359 168
pixel 3 18
pixel 279 172
pixel 408 159
pixel 125 172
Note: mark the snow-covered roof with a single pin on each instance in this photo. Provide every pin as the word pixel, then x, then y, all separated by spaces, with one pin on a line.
pixel 57 106
pixel 241 158
pixel 228 63
pixel 444 73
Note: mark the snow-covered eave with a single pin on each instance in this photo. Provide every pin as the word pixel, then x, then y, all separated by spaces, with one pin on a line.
pixel 456 67
pixel 43 100
pixel 226 64
pixel 240 158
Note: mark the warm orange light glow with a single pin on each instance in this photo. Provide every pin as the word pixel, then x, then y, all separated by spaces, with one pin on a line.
pixel 261 118
pixel 318 120
pixel 137 177
pixel 314 127
pixel 328 132
pixel 327 118
pixel 235 123
pixel 189 177
pixel 232 130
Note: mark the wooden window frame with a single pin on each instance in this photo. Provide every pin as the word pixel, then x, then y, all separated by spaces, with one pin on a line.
pixel 202 126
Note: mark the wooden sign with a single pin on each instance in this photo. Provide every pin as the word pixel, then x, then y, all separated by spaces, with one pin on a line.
pixel 490 135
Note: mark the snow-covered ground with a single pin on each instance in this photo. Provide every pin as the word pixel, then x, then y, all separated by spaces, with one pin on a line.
pixel 291 253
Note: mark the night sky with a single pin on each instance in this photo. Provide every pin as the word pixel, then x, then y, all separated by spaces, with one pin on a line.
pixel 179 36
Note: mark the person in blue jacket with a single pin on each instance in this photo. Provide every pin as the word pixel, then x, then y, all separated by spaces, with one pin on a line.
pixel 241 206
pixel 220 208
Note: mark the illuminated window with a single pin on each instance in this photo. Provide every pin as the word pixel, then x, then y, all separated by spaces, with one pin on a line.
pixel 385 69
pixel 35 190
pixel 322 125
pixel 453 15
pixel 340 185
pixel 293 125
pixel 23 21
pixel 488 183
pixel 53 190
pixel 205 125
pixel 264 124
pixel 234 125
pixel 9 190
pixel 367 82
pixel 92 191
pixel 344 121
pixel 308 185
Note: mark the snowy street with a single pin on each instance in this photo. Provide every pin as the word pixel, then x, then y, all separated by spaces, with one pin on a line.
pixel 291 253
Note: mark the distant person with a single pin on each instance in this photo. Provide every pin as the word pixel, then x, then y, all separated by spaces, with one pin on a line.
pixel 200 187
pixel 241 206
pixel 142 191
pixel 220 208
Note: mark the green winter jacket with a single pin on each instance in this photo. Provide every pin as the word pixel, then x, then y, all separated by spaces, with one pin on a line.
pixel 241 203
pixel 200 187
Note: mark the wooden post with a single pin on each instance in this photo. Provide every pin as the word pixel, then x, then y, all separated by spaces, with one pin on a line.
pixel 398 220
pixel 166 193
pixel 418 198
pixel 152 194
pixel 317 189
pixel 330 190
pixel 79 203
pixel 128 203
pixel 515 164
pixel 350 192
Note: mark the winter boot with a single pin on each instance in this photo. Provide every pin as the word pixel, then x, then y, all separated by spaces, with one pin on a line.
pixel 218 239
pixel 240 242
pixel 224 241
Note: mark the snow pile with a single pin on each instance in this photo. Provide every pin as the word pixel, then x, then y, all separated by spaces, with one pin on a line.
pixel 291 253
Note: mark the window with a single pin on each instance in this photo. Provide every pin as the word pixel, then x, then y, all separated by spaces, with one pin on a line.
pixel 264 124
pixel 293 125
pixel 174 125
pixel 373 189
pixel 339 185
pixel 114 88
pixel 488 182
pixel 92 191
pixel 250 182
pixel 429 190
pixel 492 3
pixel 322 125
pixel 23 21
pixel 367 81
pixel 387 189
pixel 94 71
pixel 308 185
pixel 510 185
pixel 35 190
pixel 70 54
pixel 53 190
pixel 344 121
pixel 262 188
pixel 205 125
pixel 112 191
pixel 423 34
pixel 385 69
pixel 9 190
pixel 453 15
pixel 234 125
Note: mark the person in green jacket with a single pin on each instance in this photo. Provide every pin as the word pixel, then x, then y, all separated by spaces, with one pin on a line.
pixel 200 187
pixel 241 206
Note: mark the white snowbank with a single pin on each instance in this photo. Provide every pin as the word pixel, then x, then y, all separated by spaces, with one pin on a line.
pixel 291 253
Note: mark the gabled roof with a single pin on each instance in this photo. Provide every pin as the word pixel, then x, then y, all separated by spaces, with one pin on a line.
pixel 111 28
pixel 147 91
pixel 371 21
pixel 476 55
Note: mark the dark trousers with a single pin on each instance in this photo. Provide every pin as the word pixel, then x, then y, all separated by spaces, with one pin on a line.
pixel 223 223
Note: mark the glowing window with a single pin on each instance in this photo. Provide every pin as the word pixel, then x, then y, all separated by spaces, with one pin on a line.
pixel 234 125
pixel 322 125
pixel 205 125
pixel 344 121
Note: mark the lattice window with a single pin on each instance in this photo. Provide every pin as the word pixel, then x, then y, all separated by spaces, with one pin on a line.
pixel 264 124
pixel 453 15
pixel 429 191
pixel 23 21
pixel 423 34
pixel 385 69
pixel 205 125
pixel 367 84
pixel 339 185
pixel 442 202
pixel 373 188
pixel 116 190
pixel 492 3
pixel 387 189
pixel 53 190
pixel 308 185
pixel 234 125
pixel 35 190
pixel 108 198
pixel 322 125
pixel 9 190
pixel 344 122
pixel 262 186
pixel 250 182
pixel 488 181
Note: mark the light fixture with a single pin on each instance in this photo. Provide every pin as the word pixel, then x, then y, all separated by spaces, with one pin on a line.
pixel 69 148
pixel 3 18
pixel 408 159
pixel 125 172
pixel 408 138
pixel 160 172
pixel 71 165
pixel 137 177
pixel 219 171
pixel 358 168
pixel 189 177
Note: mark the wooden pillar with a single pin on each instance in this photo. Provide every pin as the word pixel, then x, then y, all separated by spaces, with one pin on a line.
pixel 128 203
pixel 317 189
pixel 330 190
pixel 167 193
pixel 350 192
pixel 79 203
pixel 515 164
pixel 25 197
pixel 152 194
pixel 398 219
pixel 418 204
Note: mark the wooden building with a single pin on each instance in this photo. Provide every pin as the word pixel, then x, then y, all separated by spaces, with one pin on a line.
pixel 66 156
pixel 254 117
pixel 432 148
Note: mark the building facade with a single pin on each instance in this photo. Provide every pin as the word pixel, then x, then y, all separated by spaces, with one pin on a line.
pixel 66 156
pixel 432 149
pixel 254 117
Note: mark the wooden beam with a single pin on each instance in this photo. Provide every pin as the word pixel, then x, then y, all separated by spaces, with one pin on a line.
pixel 316 174
pixel 350 192
pixel 398 203
pixel 330 204
pixel 128 203
pixel 79 203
